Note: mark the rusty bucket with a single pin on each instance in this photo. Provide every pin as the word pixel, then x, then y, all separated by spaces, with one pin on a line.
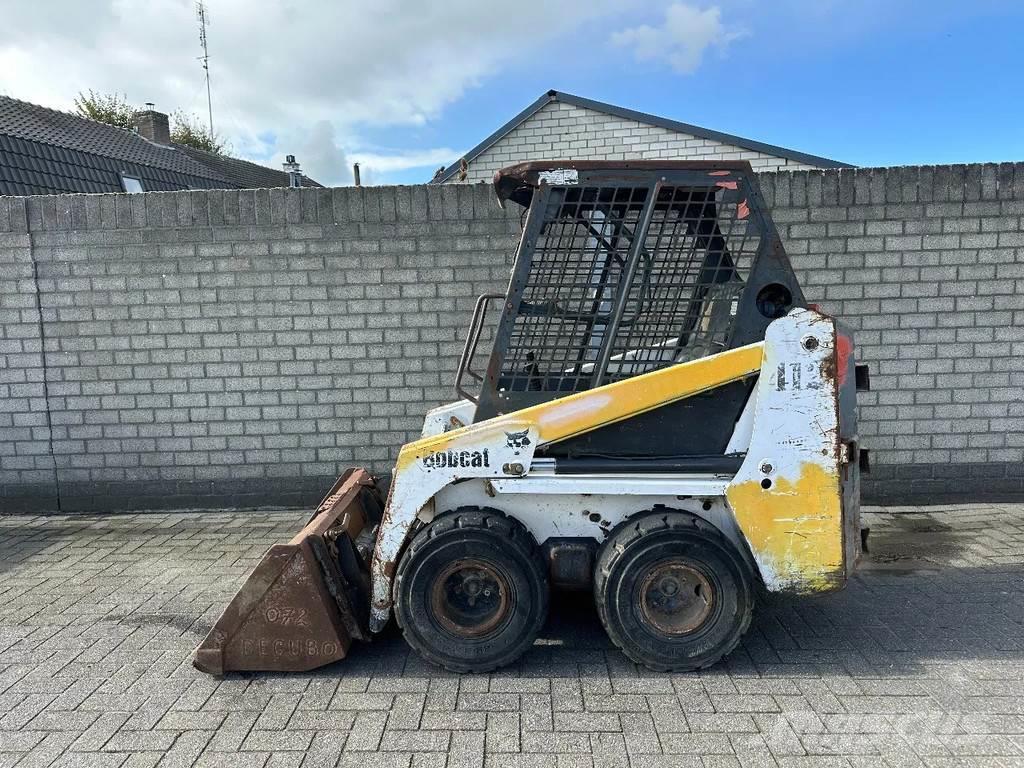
pixel 307 600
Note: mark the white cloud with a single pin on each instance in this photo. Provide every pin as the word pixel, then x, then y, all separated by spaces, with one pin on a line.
pixel 288 77
pixel 681 41
pixel 404 160
pixel 333 165
pixel 322 158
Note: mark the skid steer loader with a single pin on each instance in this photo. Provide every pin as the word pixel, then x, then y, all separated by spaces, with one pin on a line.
pixel 662 420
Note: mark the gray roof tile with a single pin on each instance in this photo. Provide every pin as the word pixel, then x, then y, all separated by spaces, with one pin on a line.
pixel 45 151
pixel 243 173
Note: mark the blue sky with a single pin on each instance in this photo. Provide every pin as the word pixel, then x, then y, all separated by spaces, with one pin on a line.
pixel 403 86
pixel 880 84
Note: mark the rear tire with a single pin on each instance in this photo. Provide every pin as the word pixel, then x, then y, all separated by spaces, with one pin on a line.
pixel 471 590
pixel 672 592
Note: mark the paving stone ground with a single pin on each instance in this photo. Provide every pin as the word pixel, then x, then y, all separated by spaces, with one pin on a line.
pixel 919 662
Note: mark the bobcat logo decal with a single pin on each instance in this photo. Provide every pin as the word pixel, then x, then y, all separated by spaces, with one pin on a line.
pixel 517 439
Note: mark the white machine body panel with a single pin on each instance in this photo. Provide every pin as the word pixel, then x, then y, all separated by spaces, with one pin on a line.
pixel 447 417
pixel 559 512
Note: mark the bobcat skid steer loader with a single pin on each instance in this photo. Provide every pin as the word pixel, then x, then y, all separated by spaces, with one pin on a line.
pixel 662 421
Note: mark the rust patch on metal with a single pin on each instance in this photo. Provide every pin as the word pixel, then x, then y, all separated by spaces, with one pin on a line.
pixel 294 612
pixel 517 182
pixel 676 598
pixel 385 568
pixel 828 367
pixel 844 348
pixel 471 598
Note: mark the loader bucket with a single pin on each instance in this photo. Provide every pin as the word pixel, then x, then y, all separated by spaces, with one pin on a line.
pixel 307 600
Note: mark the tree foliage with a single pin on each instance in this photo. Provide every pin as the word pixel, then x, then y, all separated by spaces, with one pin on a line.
pixel 114 109
pixel 188 130
pixel 109 108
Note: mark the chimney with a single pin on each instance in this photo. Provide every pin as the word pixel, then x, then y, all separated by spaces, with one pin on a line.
pixel 293 171
pixel 153 125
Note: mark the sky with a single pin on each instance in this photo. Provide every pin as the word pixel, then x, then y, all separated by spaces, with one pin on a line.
pixel 405 86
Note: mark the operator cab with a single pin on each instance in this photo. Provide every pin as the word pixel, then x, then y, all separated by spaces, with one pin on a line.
pixel 624 268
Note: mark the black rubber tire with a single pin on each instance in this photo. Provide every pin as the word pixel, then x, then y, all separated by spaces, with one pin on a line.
pixel 647 540
pixel 505 545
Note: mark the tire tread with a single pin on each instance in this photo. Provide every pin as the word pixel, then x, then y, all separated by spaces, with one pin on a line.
pixel 633 530
pixel 464 518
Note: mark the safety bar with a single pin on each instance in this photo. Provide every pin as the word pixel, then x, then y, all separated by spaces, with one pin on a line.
pixel 469 351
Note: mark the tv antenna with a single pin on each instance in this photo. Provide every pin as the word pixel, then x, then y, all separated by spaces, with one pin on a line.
pixel 204 19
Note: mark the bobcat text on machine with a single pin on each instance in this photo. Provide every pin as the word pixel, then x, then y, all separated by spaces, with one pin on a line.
pixel 662 420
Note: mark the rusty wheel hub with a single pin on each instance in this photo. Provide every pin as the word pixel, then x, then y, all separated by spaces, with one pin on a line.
pixel 676 598
pixel 470 598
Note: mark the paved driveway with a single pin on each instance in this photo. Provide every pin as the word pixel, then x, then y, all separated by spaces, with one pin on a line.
pixel 919 662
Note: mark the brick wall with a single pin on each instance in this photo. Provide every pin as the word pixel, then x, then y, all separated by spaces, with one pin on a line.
pixel 27 476
pixel 927 265
pixel 242 347
pixel 235 347
pixel 567 131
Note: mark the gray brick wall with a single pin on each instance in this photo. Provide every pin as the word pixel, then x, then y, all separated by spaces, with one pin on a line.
pixel 26 467
pixel 561 130
pixel 926 264
pixel 228 347
pixel 242 347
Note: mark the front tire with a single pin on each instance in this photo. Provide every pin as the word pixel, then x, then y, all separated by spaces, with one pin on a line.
pixel 471 590
pixel 672 592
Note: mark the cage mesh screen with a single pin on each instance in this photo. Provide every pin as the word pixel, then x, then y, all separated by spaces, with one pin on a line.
pixel 683 298
pixel 566 302
pixel 698 246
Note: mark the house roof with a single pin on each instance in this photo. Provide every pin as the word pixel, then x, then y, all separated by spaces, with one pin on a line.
pixel 640 117
pixel 242 173
pixel 45 151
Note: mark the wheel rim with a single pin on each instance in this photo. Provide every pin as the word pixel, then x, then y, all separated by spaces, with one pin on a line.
pixel 676 598
pixel 470 598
